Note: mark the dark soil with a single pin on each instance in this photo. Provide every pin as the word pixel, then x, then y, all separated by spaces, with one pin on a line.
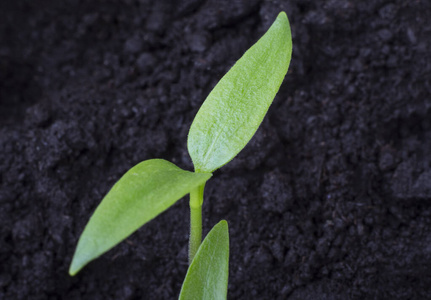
pixel 330 200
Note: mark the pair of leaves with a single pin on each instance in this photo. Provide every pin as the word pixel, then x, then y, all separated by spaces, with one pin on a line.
pixel 225 123
pixel 141 194
pixel 206 278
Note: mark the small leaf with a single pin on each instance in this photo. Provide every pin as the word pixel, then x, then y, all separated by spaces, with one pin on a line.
pixel 236 106
pixel 208 273
pixel 140 195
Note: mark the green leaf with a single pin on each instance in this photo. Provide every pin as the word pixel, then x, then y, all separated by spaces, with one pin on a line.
pixel 236 106
pixel 208 273
pixel 145 191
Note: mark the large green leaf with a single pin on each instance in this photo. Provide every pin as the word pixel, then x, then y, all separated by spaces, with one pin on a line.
pixel 141 194
pixel 208 273
pixel 236 106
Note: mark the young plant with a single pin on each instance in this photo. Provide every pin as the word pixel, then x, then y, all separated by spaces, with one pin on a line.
pixel 224 124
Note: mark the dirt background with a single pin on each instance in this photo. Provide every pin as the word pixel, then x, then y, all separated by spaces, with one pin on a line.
pixel 330 200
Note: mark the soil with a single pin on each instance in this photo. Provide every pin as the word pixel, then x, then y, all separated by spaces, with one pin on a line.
pixel 330 200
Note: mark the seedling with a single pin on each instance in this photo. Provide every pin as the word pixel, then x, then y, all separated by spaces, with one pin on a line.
pixel 224 124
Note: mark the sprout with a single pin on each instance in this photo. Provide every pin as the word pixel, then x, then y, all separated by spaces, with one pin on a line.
pixel 223 126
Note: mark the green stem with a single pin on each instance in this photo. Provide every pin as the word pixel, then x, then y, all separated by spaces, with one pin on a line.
pixel 196 201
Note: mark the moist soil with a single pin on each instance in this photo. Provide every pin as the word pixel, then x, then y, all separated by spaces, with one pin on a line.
pixel 330 200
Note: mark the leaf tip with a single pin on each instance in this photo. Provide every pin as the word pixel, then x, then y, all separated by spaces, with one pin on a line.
pixel 283 20
pixel 222 228
pixel 82 256
pixel 282 14
pixel 73 269
pixel 223 223
pixel 78 262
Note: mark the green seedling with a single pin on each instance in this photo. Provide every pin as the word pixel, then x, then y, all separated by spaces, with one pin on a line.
pixel 223 126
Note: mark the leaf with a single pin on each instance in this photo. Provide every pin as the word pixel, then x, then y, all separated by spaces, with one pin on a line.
pixel 140 195
pixel 208 273
pixel 236 106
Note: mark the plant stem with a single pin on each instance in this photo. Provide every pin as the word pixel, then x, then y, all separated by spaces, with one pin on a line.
pixel 196 201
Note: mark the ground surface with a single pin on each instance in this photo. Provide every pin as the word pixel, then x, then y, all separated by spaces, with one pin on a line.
pixel 330 200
